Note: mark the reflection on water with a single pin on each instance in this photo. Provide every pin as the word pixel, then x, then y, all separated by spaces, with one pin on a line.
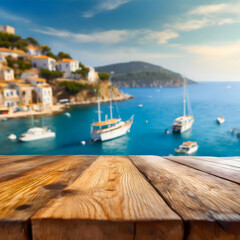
pixel 117 145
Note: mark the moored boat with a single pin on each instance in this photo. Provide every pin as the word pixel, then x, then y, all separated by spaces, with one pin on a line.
pixel 110 128
pixel 36 133
pixel 185 122
pixel 187 148
pixel 220 120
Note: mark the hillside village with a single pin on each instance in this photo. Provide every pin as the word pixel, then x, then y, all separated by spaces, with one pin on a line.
pixel 34 79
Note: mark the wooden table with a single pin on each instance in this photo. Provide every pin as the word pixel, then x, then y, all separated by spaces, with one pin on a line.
pixel 119 197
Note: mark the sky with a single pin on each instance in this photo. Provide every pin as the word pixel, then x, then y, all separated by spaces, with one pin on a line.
pixel 199 39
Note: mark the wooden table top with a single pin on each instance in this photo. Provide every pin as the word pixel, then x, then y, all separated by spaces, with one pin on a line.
pixel 119 197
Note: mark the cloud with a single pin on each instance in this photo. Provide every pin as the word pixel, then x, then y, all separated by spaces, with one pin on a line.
pixel 209 52
pixel 215 62
pixel 10 16
pixel 103 6
pixel 141 36
pixel 189 25
pixel 160 37
pixel 216 9
pixel 106 37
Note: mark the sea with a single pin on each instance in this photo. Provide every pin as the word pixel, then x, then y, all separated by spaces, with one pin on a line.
pixel 160 106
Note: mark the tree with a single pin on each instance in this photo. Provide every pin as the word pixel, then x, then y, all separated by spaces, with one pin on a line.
pixel 21 44
pixel 73 87
pixel 45 49
pixel 49 75
pixel 32 41
pixel 62 55
pixel 84 71
pixel 103 76
pixel 50 54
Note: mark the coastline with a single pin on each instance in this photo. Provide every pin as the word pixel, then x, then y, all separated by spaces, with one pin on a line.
pixel 58 108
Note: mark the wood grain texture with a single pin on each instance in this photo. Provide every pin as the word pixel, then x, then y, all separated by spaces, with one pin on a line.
pixel 110 190
pixel 221 170
pixel 193 194
pixel 223 162
pixel 19 166
pixel 21 196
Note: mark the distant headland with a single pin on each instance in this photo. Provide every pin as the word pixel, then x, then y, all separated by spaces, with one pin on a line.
pixel 142 74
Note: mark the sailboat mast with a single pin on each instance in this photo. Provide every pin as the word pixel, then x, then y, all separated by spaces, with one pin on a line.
pixel 184 96
pixel 111 107
pixel 99 110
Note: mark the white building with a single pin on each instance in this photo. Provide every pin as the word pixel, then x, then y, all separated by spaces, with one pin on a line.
pixel 6 73
pixel 2 59
pixel 67 66
pixel 15 53
pixel 44 92
pixel 7 29
pixel 42 89
pixel 30 72
pixel 92 75
pixel 45 62
pixel 24 92
pixel 11 98
pixel 33 51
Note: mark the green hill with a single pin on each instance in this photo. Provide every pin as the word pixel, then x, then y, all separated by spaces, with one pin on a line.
pixel 142 74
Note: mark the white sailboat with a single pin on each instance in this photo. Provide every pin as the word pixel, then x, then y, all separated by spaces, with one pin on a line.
pixel 110 128
pixel 185 122
pixel 36 133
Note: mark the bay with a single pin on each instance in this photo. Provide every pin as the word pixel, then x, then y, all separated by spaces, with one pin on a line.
pixel 160 107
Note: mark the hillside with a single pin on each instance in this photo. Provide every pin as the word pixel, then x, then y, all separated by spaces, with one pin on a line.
pixel 142 74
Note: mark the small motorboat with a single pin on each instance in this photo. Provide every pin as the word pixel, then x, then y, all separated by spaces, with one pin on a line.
pixel 220 120
pixel 187 148
pixel 36 133
pixel 140 105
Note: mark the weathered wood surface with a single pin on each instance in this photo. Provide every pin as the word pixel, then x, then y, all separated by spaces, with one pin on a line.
pixel 116 197
pixel 111 189
pixel 220 170
pixel 197 196
pixel 25 191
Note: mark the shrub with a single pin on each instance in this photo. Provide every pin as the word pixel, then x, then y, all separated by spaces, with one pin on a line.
pixel 62 55
pixel 73 87
pixel 103 76
pixel 49 75
pixel 83 71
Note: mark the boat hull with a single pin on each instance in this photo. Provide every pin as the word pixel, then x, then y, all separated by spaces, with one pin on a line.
pixel 34 138
pixel 185 127
pixel 190 151
pixel 105 136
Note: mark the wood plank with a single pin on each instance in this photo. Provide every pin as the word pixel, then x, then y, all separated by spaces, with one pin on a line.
pixel 8 159
pixel 198 197
pixel 232 163
pixel 113 192
pixel 23 195
pixel 220 170
pixel 16 168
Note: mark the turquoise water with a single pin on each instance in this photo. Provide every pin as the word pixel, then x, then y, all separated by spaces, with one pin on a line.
pixel 208 100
